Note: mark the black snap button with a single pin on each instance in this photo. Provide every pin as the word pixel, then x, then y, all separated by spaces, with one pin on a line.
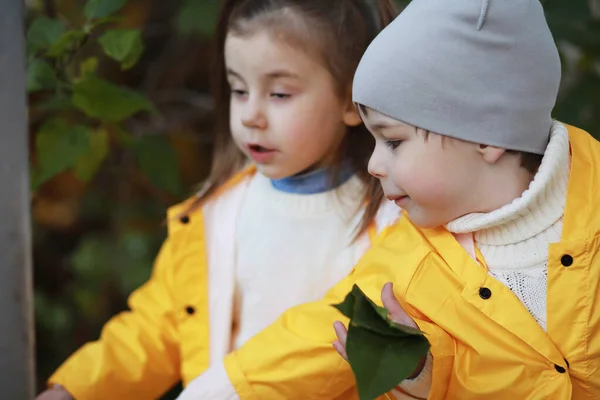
pixel 190 310
pixel 185 219
pixel 566 260
pixel 485 293
pixel 560 369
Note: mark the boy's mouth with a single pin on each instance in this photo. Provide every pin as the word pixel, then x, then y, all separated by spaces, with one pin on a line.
pixel 399 200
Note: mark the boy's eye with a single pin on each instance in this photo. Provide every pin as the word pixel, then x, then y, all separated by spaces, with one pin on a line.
pixel 280 95
pixel 392 144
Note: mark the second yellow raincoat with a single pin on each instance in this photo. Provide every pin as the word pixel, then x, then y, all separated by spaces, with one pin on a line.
pixel 484 342
pixel 179 321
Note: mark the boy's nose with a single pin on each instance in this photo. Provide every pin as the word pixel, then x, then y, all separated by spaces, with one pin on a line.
pixel 376 167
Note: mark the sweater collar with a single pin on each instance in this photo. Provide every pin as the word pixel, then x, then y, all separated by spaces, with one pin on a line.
pixel 538 208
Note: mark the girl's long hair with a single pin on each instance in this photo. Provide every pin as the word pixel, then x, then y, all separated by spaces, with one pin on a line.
pixel 337 31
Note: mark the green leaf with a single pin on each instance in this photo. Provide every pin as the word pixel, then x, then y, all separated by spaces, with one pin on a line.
pixel 198 16
pixel 44 32
pixel 102 8
pixel 123 45
pixel 378 320
pixel 56 103
pixel 380 352
pixel 88 67
pixel 89 162
pixel 379 362
pixel 40 76
pixel 157 159
pixel 93 24
pixel 59 145
pixel 67 42
pixel 100 99
pixel 347 306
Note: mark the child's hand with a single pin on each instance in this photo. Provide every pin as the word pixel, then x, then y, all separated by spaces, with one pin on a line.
pixel 396 314
pixel 56 393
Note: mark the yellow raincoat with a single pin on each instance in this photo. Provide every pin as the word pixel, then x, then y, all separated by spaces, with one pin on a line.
pixel 165 336
pixel 484 342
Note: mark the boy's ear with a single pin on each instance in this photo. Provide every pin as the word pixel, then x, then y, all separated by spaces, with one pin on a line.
pixel 351 115
pixel 490 154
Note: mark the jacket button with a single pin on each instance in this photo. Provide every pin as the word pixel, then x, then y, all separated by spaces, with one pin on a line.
pixel 184 220
pixel 485 293
pixel 560 369
pixel 566 260
pixel 190 310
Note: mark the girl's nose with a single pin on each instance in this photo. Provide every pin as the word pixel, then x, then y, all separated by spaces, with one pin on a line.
pixel 253 116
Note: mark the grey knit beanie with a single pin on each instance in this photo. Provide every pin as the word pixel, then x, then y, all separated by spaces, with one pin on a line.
pixel 484 71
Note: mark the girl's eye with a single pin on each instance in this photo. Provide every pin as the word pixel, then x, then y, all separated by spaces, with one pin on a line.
pixel 280 95
pixel 238 92
pixel 392 144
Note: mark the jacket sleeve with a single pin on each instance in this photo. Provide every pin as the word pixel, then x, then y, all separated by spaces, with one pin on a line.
pixel 294 357
pixel 137 354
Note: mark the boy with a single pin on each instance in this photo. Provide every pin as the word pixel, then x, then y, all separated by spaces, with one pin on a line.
pixel 496 257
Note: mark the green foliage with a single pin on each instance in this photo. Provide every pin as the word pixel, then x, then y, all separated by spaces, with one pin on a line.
pixel 165 173
pixel 198 16
pixel 40 76
pixel 59 145
pixel 44 32
pixel 123 45
pixel 73 90
pixel 89 162
pixel 381 353
pixel 105 101
pixel 102 8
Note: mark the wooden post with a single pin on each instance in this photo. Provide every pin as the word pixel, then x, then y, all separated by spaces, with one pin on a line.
pixel 17 374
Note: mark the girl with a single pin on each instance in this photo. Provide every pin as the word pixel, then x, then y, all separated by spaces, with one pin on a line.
pixel 274 235
pixel 497 256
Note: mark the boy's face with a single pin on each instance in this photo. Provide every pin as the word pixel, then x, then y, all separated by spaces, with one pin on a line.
pixel 432 177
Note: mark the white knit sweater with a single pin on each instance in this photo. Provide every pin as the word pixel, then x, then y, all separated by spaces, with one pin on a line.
pixel 514 239
pixel 290 249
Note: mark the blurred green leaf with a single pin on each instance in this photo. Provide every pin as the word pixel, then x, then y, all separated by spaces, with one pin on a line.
pixel 58 146
pixel 158 161
pixel 102 8
pixel 88 163
pixel 67 42
pixel 123 45
pixel 88 67
pixel 56 103
pixel 40 76
pixel 197 16
pixel 101 99
pixel 44 32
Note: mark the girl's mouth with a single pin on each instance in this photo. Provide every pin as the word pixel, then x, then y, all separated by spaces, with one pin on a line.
pixel 261 154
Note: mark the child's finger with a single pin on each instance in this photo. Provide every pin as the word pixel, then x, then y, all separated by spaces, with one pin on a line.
pixel 341 332
pixel 395 310
pixel 340 349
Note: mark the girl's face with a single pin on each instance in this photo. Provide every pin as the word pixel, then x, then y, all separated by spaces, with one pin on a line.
pixel 286 114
